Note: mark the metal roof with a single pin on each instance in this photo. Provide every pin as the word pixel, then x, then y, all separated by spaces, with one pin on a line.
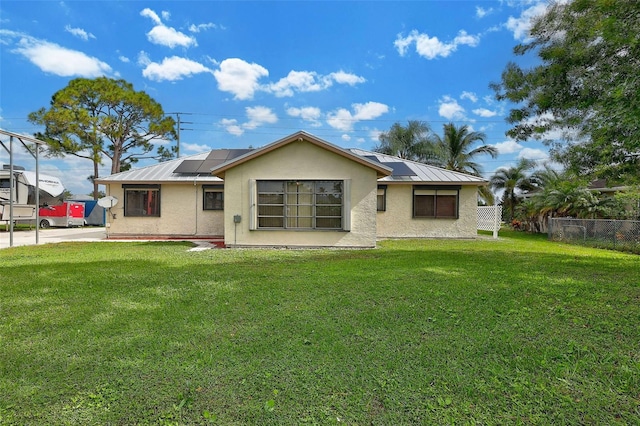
pixel 412 171
pixel 162 172
pixel 196 167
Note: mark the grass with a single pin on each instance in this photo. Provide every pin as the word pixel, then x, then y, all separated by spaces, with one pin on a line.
pixel 514 331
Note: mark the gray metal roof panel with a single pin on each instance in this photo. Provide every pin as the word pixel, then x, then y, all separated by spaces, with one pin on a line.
pixel 423 173
pixel 161 172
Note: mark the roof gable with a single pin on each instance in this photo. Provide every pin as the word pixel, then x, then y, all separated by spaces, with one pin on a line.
pixel 301 136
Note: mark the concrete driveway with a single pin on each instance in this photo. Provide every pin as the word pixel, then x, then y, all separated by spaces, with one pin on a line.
pixel 52 235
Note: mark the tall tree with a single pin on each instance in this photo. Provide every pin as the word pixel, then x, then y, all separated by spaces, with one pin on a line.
pixel 104 117
pixel 586 87
pixel 454 151
pixel 410 142
pixel 513 180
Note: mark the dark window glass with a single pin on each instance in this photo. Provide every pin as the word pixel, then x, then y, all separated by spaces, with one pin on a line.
pixel 213 199
pixel 435 203
pixel 143 202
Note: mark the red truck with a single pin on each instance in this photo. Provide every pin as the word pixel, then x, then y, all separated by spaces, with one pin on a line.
pixel 67 214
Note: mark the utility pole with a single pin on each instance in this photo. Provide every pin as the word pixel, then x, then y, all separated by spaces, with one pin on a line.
pixel 180 123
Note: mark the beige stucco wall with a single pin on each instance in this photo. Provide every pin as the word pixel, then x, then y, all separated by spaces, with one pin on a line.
pixel 181 215
pixel 305 161
pixel 397 220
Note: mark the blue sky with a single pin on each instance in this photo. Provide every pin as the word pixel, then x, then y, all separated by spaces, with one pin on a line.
pixel 248 73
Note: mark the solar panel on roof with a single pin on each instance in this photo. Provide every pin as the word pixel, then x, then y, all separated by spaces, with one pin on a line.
pixel 218 154
pixel 234 153
pixel 399 168
pixel 214 159
pixel 188 166
pixel 207 165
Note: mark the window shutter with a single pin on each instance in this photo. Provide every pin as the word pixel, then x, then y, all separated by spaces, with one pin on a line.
pixel 253 211
pixel 346 200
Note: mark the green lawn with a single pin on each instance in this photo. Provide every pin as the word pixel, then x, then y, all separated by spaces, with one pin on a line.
pixel 514 331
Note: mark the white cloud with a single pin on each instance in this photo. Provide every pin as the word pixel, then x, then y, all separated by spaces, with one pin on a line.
pixel 202 27
pixel 193 147
pixel 148 13
pixel 301 81
pixel 343 119
pixel 482 12
pixel 488 99
pixel 342 77
pixel 231 126
pixel 172 69
pixel 451 109
pixel 432 47
pixel 533 154
pixel 508 147
pixel 143 58
pixel 124 59
pixel 521 25
pixel 374 135
pixel 258 116
pixel 346 137
pixel 483 112
pixel 309 81
pixel 79 32
pixel 166 15
pixel 239 77
pixel 470 96
pixel 311 114
pixel 58 60
pixel 166 36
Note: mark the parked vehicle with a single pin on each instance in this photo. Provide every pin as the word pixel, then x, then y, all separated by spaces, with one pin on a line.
pixel 67 214
pixel 24 195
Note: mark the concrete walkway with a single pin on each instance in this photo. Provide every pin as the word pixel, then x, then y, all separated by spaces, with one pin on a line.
pixel 57 235
pixel 52 235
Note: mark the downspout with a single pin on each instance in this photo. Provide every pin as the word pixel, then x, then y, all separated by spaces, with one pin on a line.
pixel 195 185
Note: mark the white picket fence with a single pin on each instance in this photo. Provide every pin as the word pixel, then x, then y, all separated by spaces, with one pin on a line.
pixel 489 218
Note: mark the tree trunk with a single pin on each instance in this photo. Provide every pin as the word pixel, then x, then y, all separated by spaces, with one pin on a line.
pixel 95 176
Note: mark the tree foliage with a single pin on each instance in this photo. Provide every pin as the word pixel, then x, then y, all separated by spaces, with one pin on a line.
pixel 104 117
pixel 410 142
pixel 586 87
pixel 513 181
pixel 454 149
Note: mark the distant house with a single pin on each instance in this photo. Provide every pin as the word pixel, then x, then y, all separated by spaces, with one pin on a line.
pixel 299 191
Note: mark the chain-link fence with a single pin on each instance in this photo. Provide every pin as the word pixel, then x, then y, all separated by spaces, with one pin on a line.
pixel 623 235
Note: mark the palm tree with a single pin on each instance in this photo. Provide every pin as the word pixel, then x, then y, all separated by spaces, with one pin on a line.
pixel 453 151
pixel 409 143
pixel 511 180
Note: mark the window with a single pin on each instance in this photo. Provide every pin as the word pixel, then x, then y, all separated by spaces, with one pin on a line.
pixel 300 204
pixel 435 202
pixel 142 200
pixel 382 198
pixel 213 197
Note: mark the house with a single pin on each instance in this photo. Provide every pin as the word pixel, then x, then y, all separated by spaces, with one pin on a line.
pixel 299 191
